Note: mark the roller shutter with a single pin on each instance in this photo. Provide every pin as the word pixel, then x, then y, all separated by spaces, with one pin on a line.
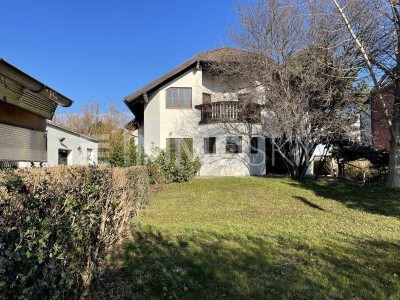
pixel 22 144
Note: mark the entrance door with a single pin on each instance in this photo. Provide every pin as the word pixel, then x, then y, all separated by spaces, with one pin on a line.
pixel 63 156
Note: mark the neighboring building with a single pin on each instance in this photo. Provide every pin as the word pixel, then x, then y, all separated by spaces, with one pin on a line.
pixel 189 106
pixel 66 147
pixel 379 130
pixel 25 105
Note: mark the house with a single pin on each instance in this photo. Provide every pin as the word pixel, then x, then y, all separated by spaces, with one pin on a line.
pixel 66 147
pixel 380 136
pixel 25 105
pixel 189 106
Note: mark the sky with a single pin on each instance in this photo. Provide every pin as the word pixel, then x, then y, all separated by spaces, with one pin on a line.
pixel 105 50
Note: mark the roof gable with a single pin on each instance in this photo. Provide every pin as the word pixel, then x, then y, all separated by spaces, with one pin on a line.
pixel 204 57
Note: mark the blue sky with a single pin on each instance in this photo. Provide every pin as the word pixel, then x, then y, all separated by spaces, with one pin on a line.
pixel 105 50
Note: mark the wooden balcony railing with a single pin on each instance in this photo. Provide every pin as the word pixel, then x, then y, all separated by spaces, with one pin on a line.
pixel 229 111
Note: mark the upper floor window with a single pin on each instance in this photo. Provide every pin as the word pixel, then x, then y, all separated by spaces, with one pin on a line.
pixel 206 98
pixel 179 98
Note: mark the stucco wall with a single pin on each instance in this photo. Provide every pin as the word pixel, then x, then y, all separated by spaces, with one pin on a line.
pixel 78 146
pixel 161 123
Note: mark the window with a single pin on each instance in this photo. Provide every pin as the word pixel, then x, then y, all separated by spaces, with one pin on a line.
pixel 254 145
pixel 234 144
pixel 179 98
pixel 179 144
pixel 89 156
pixel 63 156
pixel 206 98
pixel 209 145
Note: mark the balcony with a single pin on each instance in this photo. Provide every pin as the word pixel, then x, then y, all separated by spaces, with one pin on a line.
pixel 229 111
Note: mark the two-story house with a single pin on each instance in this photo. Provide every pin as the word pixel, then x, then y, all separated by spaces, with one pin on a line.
pixel 190 105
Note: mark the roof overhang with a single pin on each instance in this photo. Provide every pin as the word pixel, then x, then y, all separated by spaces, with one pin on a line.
pixel 141 94
pixel 24 91
pixel 137 100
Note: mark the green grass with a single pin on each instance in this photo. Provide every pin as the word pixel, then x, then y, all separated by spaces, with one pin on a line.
pixel 237 238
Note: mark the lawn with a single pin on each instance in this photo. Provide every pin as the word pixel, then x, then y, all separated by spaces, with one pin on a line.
pixel 263 238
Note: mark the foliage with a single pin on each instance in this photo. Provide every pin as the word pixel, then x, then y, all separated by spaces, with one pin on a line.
pixel 257 238
pixel 304 91
pixel 356 170
pixel 352 157
pixel 57 224
pixel 172 165
pixel 370 34
pixel 122 150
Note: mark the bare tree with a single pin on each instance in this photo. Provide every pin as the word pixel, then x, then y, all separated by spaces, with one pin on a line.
pixel 302 90
pixel 106 126
pixel 373 27
pixel 92 120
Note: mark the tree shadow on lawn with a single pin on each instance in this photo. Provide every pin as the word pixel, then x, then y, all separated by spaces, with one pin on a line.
pixel 213 266
pixel 372 199
pixel 308 203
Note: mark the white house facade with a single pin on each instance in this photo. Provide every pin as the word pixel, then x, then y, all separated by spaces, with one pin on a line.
pixel 188 105
pixel 65 147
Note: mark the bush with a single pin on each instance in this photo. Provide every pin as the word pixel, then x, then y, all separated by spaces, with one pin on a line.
pixel 353 170
pixel 57 224
pixel 173 165
pixel 121 151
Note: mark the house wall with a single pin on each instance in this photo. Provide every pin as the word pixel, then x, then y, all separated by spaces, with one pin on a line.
pixel 151 126
pixel 161 123
pixel 75 143
pixel 380 132
pixel 78 146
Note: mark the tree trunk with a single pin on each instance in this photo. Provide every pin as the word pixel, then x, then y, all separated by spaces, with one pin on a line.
pixel 393 180
pixel 299 172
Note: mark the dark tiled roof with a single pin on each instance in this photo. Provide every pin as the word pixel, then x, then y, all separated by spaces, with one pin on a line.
pixel 207 56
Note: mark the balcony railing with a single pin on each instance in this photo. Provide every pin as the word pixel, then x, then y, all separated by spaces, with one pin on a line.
pixel 229 111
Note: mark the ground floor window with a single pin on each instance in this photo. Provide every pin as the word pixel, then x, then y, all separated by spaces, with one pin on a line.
pixel 210 145
pixel 63 156
pixel 234 144
pixel 180 144
pixel 254 145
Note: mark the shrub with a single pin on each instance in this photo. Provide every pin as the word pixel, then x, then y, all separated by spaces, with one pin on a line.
pixel 122 150
pixel 375 174
pixel 173 165
pixel 57 224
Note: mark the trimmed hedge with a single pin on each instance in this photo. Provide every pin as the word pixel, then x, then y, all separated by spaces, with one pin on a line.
pixel 57 224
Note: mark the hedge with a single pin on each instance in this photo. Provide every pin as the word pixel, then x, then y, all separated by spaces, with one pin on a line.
pixel 58 224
